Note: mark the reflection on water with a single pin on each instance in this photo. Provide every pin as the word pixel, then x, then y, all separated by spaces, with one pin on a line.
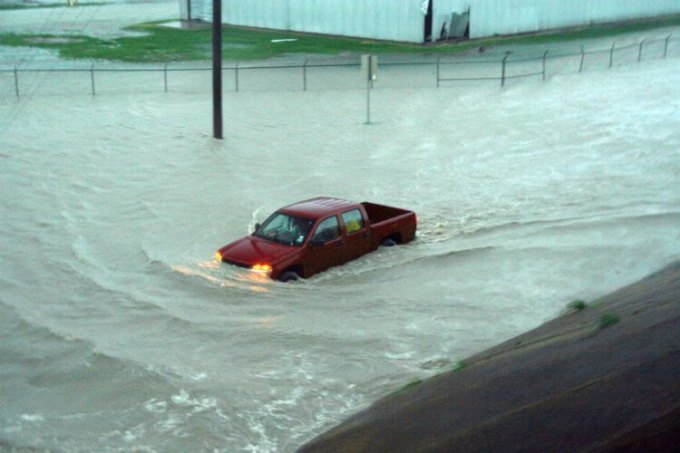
pixel 209 270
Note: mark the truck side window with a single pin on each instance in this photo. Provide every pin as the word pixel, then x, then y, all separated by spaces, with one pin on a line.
pixel 353 220
pixel 327 230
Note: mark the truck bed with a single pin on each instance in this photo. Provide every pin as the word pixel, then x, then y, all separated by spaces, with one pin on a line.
pixel 379 213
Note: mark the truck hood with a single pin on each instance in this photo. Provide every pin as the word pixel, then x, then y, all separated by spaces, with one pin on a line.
pixel 251 250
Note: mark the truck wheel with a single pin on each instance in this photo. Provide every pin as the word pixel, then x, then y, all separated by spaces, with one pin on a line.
pixel 289 276
pixel 388 242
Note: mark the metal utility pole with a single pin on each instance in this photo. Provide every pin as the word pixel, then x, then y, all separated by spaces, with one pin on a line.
pixel 217 69
pixel 369 72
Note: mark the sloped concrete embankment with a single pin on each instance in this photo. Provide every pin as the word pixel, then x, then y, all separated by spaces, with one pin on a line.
pixel 602 377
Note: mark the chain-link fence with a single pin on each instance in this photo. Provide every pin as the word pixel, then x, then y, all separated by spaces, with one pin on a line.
pixel 327 74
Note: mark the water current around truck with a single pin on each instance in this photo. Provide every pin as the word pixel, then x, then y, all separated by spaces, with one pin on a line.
pixel 118 331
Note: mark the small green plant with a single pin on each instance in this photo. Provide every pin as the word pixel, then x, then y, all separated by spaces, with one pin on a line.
pixel 410 385
pixel 608 319
pixel 460 365
pixel 576 305
pixel 414 383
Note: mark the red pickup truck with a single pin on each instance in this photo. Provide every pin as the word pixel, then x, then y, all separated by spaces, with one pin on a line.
pixel 308 237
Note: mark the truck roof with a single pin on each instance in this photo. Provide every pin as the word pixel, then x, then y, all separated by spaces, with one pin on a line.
pixel 315 208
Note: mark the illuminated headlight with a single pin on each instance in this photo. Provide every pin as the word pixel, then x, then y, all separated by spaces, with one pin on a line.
pixel 262 267
pixel 218 256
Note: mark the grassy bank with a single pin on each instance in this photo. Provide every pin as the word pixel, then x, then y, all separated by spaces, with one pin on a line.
pixel 156 43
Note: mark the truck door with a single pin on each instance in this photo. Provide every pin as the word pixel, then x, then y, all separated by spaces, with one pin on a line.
pixel 358 235
pixel 326 247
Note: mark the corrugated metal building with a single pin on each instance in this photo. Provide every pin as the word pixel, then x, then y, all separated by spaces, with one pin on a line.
pixel 503 17
pixel 423 20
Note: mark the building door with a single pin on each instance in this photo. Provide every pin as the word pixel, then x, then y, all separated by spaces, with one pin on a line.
pixel 460 25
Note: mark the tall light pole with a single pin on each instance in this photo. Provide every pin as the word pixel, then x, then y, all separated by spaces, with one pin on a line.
pixel 217 69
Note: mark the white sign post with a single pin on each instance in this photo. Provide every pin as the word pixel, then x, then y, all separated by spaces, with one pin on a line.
pixel 369 73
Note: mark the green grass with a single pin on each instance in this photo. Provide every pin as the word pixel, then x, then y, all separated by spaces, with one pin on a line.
pixel 4 7
pixel 160 44
pixel 608 319
pixel 460 365
pixel 165 44
pixel 410 385
pixel 576 305
pixel 604 30
pixel 9 6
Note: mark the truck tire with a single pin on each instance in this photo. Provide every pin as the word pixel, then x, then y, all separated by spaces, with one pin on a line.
pixel 289 276
pixel 388 242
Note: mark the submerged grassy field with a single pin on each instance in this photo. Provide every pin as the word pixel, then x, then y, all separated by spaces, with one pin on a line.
pixel 158 43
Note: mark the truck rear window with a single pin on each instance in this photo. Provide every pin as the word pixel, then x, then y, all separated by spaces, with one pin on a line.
pixel 353 220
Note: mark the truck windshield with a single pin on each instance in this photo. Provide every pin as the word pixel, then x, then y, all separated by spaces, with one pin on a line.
pixel 285 229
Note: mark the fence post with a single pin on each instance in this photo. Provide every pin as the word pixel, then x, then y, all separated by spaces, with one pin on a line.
pixel 438 58
pixel 611 55
pixel 640 50
pixel 583 57
pixel 165 77
pixel 507 54
pixel 16 81
pixel 544 57
pixel 665 47
pixel 236 77
pixel 92 78
pixel 304 75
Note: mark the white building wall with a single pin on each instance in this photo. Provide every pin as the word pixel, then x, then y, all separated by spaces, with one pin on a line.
pixel 256 13
pixel 403 20
pixel 197 10
pixel 501 17
pixel 398 20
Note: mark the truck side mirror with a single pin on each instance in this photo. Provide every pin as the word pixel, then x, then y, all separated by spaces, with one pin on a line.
pixel 257 226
